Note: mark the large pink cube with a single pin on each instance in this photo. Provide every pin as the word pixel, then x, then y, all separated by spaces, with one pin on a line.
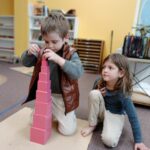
pixel 40 136
pixel 41 121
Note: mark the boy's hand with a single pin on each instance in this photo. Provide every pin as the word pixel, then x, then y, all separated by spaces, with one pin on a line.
pixel 140 146
pixel 33 49
pixel 50 55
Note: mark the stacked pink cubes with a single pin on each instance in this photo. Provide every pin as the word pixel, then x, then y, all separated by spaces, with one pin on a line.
pixel 42 118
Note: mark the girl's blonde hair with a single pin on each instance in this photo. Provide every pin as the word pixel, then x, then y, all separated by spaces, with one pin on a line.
pixel 124 83
pixel 55 22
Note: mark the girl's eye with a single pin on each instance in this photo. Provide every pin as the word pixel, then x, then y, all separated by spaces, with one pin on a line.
pixel 46 42
pixel 54 42
pixel 110 68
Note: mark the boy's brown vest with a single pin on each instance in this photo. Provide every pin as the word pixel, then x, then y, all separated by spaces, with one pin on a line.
pixel 70 90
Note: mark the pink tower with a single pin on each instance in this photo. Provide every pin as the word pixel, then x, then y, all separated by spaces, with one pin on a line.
pixel 42 117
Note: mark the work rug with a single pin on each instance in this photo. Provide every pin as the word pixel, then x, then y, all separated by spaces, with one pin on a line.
pixel 24 70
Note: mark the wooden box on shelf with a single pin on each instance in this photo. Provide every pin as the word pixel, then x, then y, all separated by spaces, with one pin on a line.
pixel 90 53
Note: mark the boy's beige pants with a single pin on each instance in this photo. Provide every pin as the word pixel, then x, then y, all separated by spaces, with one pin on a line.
pixel 67 124
pixel 112 123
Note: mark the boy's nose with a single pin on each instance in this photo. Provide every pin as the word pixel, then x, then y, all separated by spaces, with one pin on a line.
pixel 50 46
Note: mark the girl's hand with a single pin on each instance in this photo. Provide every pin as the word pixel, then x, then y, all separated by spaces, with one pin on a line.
pixel 103 91
pixel 50 55
pixel 140 146
pixel 33 49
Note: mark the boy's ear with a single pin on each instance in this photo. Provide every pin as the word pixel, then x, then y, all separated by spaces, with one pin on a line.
pixel 66 38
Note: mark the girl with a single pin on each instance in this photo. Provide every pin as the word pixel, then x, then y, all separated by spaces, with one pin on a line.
pixel 110 100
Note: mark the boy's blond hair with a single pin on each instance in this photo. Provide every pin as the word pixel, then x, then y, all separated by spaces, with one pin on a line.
pixel 55 22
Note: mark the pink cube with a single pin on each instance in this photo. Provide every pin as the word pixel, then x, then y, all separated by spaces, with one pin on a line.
pixel 41 121
pixel 40 136
pixel 44 62
pixel 42 96
pixel 44 86
pixel 44 77
pixel 43 108
pixel 45 69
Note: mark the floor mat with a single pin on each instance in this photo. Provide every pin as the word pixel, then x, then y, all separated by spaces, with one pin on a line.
pixel 24 70
pixel 16 128
pixel 14 90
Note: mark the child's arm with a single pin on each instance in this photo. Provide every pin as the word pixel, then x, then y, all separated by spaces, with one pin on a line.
pixel 29 57
pixel 135 124
pixel 73 68
pixel 133 119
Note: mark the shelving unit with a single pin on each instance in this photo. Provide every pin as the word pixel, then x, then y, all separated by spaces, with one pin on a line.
pixel 34 26
pixel 73 22
pixel 34 33
pixel 7 38
pixel 90 53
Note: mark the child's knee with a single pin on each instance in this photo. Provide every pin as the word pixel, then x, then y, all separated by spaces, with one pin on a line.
pixel 66 130
pixel 94 94
pixel 109 141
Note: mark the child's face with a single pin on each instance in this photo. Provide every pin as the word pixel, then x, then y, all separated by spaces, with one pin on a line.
pixel 53 41
pixel 111 73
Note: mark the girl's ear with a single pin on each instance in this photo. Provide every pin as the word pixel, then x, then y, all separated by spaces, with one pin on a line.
pixel 121 73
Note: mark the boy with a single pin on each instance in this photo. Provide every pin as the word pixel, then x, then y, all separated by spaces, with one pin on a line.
pixel 65 68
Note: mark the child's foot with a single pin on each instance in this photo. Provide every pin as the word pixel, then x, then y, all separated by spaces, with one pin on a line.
pixel 88 130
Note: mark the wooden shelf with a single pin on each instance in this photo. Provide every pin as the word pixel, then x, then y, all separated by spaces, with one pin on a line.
pixel 7 50
pixel 7 27
pixel 33 16
pixel 90 53
pixel 35 28
pixel 7 38
pixel 139 60
pixel 6 16
pixel 37 42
